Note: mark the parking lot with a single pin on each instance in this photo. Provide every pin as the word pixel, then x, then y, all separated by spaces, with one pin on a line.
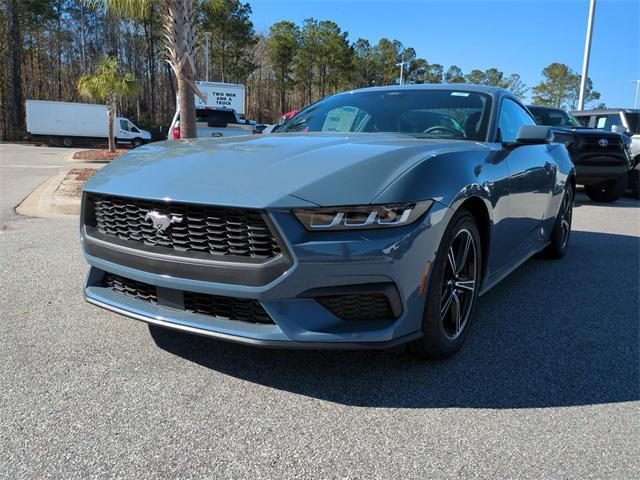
pixel 547 385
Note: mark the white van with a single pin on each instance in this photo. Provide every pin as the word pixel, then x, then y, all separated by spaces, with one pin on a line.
pixel 73 121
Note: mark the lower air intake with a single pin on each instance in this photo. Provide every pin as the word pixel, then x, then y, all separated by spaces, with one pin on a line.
pixel 226 308
pixel 374 306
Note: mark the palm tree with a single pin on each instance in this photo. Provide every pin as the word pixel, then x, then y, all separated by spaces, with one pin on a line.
pixel 179 37
pixel 108 85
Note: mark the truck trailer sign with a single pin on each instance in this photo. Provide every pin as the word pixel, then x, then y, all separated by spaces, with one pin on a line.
pixel 221 95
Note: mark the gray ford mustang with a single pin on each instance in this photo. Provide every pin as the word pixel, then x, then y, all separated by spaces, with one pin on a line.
pixel 374 218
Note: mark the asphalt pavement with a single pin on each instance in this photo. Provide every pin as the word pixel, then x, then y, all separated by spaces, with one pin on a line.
pixel 547 385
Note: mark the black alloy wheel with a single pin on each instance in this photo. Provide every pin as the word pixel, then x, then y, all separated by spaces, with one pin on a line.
pixel 559 238
pixel 459 285
pixel 565 215
pixel 452 293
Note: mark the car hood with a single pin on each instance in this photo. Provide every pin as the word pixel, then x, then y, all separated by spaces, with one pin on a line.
pixel 587 130
pixel 283 170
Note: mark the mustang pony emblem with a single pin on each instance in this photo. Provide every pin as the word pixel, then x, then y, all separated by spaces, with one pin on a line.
pixel 160 221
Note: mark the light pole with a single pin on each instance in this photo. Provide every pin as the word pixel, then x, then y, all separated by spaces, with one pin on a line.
pixel 587 52
pixel 401 65
pixel 207 38
pixel 635 102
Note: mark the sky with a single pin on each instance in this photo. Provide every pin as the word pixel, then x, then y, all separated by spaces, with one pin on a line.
pixel 516 36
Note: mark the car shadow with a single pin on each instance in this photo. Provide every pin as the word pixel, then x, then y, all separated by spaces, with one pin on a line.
pixel 554 333
pixel 626 201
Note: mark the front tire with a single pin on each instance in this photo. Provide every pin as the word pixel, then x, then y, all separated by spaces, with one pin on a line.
pixel 137 142
pixel 609 190
pixel 453 290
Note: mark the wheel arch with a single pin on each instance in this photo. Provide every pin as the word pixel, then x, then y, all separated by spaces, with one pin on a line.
pixel 480 212
pixel 572 181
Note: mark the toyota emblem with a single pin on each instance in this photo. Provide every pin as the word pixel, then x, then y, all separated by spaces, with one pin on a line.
pixel 603 142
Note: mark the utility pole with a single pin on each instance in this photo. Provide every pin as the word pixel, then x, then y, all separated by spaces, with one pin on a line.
pixel 401 65
pixel 587 53
pixel 635 102
pixel 207 38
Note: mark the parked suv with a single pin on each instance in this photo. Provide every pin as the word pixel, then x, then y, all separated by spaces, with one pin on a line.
pixel 601 157
pixel 625 120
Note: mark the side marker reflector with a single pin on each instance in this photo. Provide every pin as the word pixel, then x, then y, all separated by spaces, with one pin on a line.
pixel 425 274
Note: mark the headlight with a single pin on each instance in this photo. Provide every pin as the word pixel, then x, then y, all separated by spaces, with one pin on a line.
pixel 366 216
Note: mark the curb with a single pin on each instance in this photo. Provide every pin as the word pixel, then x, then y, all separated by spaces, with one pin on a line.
pixel 42 202
pixel 69 158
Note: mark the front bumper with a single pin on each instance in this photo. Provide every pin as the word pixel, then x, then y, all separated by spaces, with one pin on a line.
pixel 596 168
pixel 339 260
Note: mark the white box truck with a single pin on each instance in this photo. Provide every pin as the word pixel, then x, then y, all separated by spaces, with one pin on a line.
pixel 71 122
pixel 222 95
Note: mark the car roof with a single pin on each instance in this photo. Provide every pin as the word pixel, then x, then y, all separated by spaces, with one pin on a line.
pixel 493 91
pixel 604 111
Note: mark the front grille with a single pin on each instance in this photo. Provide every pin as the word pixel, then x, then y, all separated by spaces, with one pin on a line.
pixel 227 308
pixel 218 231
pixel 590 143
pixel 131 288
pixel 370 306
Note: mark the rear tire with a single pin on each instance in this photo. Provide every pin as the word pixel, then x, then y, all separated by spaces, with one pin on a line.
pixel 561 233
pixel 453 290
pixel 67 142
pixel 609 190
pixel 634 183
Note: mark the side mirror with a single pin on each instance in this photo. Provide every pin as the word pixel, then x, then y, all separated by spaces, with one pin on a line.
pixel 534 135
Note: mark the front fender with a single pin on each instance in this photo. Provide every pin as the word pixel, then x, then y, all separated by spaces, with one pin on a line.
pixel 451 178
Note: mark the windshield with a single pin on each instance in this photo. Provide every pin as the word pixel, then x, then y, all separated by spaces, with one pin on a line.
pixel 455 114
pixel 554 118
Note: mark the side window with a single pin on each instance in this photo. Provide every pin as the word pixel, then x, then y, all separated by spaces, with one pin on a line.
pixel 214 118
pixel 605 122
pixel 512 117
pixel 584 120
pixel 124 125
pixel 229 117
pixel 633 121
